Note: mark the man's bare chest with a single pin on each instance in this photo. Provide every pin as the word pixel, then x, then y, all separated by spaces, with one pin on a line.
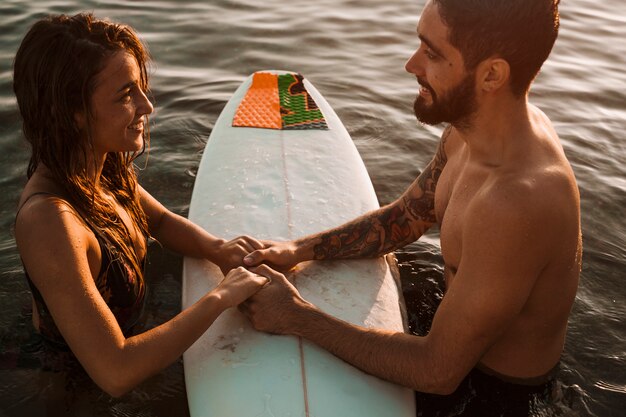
pixel 457 190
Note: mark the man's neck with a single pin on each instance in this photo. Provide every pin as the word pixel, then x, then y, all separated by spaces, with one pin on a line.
pixel 494 132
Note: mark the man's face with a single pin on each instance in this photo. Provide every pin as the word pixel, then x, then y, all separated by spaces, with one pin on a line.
pixel 447 92
pixel 455 106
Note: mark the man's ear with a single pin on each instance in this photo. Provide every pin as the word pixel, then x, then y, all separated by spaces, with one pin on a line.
pixel 492 74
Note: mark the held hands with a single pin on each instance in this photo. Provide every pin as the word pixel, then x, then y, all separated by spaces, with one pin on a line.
pixel 274 308
pixel 238 285
pixel 230 253
pixel 263 294
pixel 281 256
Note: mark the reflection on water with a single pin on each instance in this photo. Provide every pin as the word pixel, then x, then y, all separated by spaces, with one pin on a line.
pixel 354 52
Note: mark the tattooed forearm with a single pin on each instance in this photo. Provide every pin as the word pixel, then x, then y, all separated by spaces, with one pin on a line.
pixel 379 233
pixel 422 206
pixel 390 227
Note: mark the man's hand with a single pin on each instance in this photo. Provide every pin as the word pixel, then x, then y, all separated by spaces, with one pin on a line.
pixel 230 254
pixel 274 308
pixel 281 256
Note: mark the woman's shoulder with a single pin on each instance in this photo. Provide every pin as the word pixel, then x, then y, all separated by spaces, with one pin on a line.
pixel 52 238
pixel 37 205
pixel 45 214
pixel 42 199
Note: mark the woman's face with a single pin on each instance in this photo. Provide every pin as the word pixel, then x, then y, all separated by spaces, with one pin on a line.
pixel 118 107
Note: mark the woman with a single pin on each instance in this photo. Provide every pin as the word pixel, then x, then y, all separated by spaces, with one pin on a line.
pixel 83 221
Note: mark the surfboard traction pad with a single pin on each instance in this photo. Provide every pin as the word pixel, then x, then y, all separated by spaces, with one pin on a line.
pixel 280 102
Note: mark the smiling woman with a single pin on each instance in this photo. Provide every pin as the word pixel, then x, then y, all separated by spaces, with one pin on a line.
pixel 119 105
pixel 83 220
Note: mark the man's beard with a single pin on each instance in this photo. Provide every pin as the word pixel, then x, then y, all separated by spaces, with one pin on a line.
pixel 455 108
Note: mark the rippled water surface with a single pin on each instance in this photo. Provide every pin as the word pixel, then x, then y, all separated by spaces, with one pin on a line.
pixel 354 52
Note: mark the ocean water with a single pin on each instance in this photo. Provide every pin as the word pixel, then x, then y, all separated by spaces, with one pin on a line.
pixel 354 52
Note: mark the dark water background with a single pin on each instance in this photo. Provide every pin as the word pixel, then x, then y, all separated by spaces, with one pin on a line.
pixel 354 52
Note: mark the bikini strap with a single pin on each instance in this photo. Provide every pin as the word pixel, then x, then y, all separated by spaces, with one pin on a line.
pixel 31 196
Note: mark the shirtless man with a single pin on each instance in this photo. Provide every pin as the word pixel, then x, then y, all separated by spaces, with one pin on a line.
pixel 505 198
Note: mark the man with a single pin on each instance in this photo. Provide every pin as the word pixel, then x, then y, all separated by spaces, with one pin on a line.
pixel 506 201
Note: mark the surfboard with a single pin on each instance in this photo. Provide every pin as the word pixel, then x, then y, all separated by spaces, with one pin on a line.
pixel 279 178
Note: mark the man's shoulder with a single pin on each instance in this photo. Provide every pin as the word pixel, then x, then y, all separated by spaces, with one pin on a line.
pixel 539 178
pixel 542 202
pixel 450 141
pixel 542 187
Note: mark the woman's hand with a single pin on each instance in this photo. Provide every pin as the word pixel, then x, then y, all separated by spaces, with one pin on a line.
pixel 230 254
pixel 238 285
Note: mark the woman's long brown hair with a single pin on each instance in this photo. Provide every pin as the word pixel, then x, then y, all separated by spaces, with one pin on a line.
pixel 54 76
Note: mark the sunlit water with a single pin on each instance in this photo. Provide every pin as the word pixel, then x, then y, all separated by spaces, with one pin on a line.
pixel 354 52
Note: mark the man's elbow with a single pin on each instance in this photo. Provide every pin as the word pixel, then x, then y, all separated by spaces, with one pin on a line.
pixel 439 384
pixel 446 387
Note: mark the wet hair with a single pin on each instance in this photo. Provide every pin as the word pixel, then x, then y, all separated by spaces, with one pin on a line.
pixel 522 32
pixel 54 76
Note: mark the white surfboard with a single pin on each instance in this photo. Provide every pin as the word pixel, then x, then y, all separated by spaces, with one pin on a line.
pixel 279 185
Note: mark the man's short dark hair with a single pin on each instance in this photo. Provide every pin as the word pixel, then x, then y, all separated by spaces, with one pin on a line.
pixel 522 32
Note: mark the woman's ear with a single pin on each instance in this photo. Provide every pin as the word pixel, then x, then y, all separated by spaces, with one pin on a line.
pixel 80 120
pixel 493 74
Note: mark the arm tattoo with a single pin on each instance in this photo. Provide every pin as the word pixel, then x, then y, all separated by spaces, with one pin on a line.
pixel 379 233
pixel 391 227
pixel 423 207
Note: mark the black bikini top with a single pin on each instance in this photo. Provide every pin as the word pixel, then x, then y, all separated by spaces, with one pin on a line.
pixel 120 287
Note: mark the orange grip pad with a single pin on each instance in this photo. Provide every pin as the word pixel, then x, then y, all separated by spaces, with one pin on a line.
pixel 261 105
